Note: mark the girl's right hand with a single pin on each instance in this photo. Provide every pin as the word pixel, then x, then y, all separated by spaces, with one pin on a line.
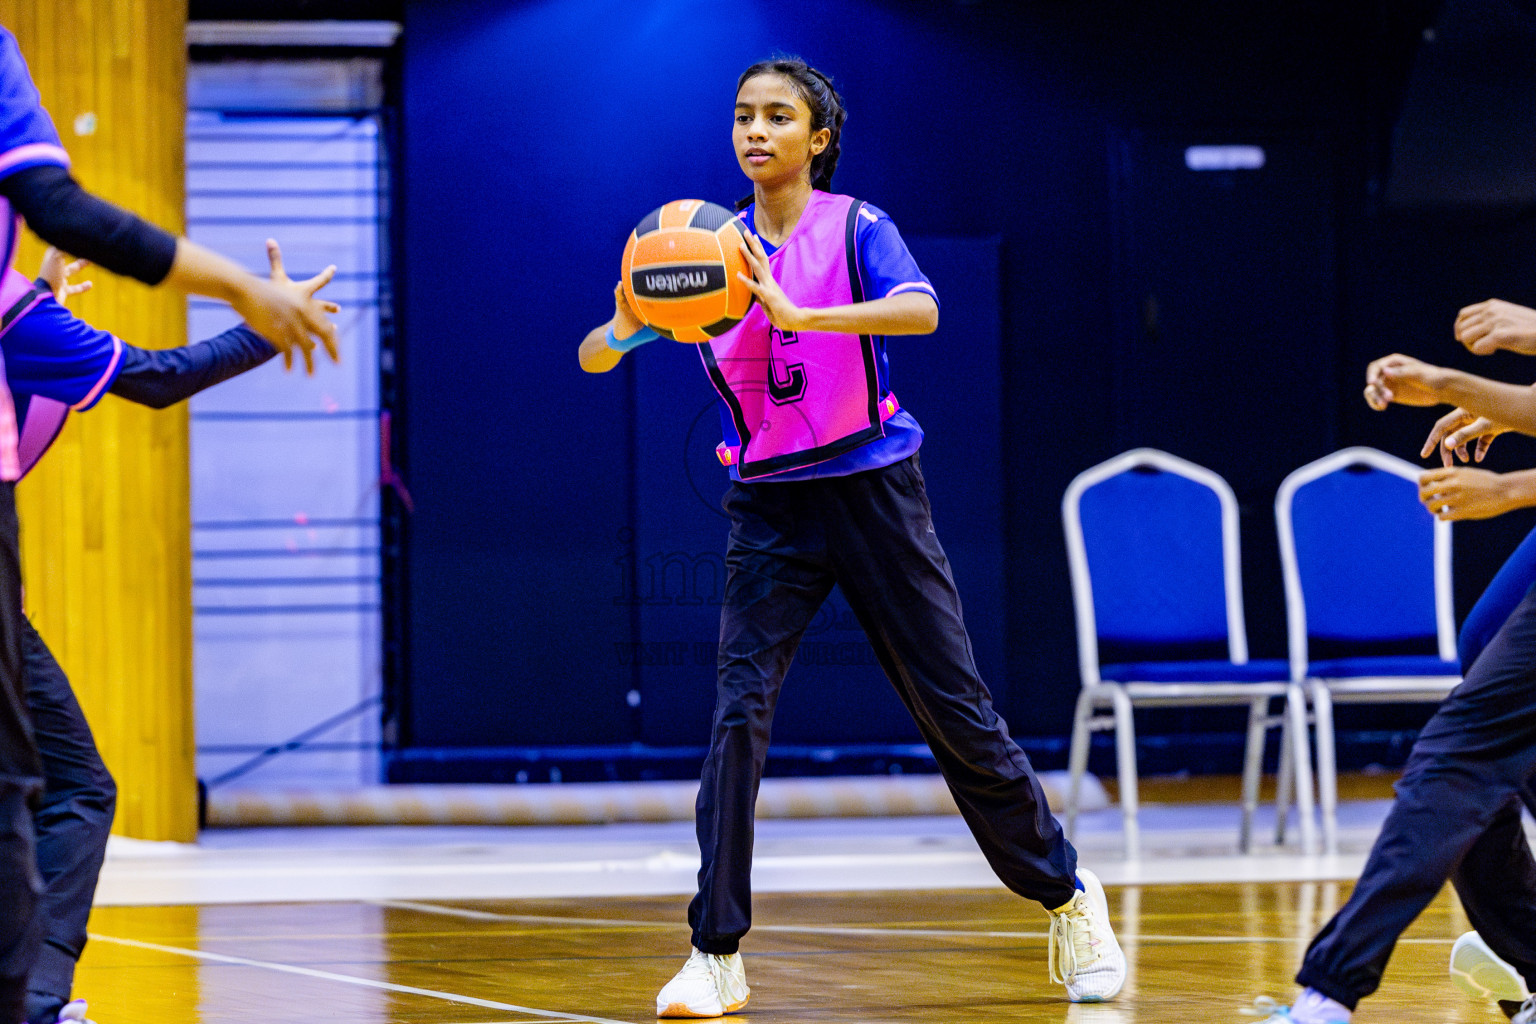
pixel 625 322
pixel 1455 430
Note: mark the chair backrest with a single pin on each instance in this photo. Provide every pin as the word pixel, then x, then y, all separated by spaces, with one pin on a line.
pixel 1363 560
pixel 1152 544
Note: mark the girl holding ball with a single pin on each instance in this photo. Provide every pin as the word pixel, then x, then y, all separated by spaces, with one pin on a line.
pixel 826 489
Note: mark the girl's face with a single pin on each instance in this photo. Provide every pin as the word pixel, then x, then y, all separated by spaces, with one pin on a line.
pixel 772 135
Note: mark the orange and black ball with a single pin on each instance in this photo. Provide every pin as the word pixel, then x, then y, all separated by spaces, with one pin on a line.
pixel 680 267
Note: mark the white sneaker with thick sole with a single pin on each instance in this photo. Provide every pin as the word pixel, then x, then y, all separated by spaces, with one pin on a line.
pixel 709 985
pixel 1083 954
pixel 73 1012
pixel 1480 973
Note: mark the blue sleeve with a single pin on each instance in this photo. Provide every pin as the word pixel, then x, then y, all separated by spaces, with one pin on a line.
pixel 27 135
pixel 888 267
pixel 1508 588
pixel 53 353
pixel 162 377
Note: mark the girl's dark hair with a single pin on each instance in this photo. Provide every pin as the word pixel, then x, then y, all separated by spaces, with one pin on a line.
pixel 826 106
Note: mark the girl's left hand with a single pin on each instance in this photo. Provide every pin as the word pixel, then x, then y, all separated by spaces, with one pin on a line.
pixel 57 270
pixel 782 312
pixel 1466 493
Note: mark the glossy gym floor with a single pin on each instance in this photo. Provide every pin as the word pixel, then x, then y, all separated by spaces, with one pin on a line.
pixel 1198 953
pixel 856 920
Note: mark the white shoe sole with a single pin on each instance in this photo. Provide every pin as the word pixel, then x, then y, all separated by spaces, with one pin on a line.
pixel 683 1010
pixel 1481 974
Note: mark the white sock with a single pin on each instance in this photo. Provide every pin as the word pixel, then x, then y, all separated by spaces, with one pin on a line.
pixel 1312 1006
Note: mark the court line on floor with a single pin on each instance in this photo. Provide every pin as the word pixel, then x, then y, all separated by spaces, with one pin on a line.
pixel 490 915
pixel 848 930
pixel 388 986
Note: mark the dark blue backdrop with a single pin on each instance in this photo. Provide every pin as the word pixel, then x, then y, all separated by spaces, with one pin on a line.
pixel 565 551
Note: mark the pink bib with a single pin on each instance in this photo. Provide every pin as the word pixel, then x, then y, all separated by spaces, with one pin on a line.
pixel 18 296
pixel 801 398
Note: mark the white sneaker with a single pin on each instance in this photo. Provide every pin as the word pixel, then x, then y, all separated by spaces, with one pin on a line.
pixel 1525 1013
pixel 74 1012
pixel 1480 973
pixel 1274 1013
pixel 1083 953
pixel 707 986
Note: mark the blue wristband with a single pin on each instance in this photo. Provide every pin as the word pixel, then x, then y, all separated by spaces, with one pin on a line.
pixel 640 337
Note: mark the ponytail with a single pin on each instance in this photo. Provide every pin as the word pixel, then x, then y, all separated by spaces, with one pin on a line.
pixel 826 107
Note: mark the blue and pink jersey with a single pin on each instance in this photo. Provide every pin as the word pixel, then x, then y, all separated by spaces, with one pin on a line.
pixel 27 139
pixel 817 404
pixel 54 363
pixel 53 353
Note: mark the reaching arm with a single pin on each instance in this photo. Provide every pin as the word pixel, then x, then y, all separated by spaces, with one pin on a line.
pixel 1511 405
pixel 68 217
pixel 162 377
pixel 282 310
pixel 157 378
pixel 1408 381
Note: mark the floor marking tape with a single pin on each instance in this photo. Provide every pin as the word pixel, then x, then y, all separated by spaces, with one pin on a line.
pixel 388 986
pixel 487 915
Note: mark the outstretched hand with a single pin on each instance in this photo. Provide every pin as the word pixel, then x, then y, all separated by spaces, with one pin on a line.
pixel 1457 429
pixel 782 311
pixel 302 293
pixel 1494 324
pixel 56 271
pixel 1403 380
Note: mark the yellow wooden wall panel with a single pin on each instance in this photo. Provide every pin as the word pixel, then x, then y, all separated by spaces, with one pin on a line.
pixel 105 523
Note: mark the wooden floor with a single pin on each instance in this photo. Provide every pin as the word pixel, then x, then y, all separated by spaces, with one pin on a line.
pixel 1197 953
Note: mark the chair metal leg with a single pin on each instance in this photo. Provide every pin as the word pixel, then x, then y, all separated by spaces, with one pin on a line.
pixel 1077 757
pixel 1125 757
pixel 1253 763
pixel 1301 758
pixel 1327 768
pixel 1283 781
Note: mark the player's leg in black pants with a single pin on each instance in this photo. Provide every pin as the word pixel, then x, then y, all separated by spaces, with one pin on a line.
pixel 20 783
pixel 1496 881
pixel 776 580
pixel 1452 810
pixel 898 582
pixel 1502 919
pixel 72 821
